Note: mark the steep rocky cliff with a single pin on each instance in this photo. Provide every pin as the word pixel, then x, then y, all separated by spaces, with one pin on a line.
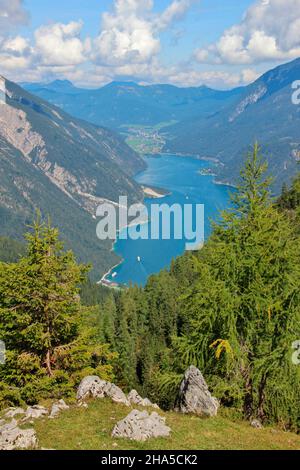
pixel 63 166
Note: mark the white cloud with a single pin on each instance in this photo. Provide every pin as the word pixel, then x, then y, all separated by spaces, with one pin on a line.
pixel 174 12
pixel 127 34
pixel 60 44
pixel 178 75
pixel 249 76
pixel 127 47
pixel 13 51
pixel 130 33
pixel 12 14
pixel 212 78
pixel 269 31
pixel 16 46
pixel 57 48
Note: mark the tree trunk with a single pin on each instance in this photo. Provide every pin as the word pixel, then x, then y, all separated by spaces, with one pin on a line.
pixel 48 363
pixel 261 398
pixel 248 402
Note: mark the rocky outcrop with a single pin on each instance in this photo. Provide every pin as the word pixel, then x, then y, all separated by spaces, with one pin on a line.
pixel 194 396
pixel 35 412
pixel 17 130
pixel 13 438
pixel 57 408
pixel 140 426
pixel 90 387
pixel 251 99
pixel 136 399
pixel 12 412
pixel 93 387
pixel 115 394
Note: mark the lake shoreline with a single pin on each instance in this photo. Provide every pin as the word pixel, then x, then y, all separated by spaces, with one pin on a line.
pixel 104 282
pixel 199 158
pixel 184 155
pixel 155 192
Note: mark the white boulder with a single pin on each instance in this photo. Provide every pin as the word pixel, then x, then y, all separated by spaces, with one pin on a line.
pixel 140 426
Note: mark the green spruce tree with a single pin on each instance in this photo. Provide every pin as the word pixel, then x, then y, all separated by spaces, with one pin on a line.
pixel 39 301
pixel 243 312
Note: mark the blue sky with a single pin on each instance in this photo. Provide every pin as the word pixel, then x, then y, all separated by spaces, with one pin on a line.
pixel 221 43
pixel 204 22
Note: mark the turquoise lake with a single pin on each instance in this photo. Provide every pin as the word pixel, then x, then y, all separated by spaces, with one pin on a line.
pixel 181 176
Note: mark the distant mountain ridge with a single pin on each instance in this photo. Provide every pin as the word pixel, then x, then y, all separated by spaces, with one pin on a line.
pixel 120 104
pixel 201 121
pixel 65 167
pixel 263 111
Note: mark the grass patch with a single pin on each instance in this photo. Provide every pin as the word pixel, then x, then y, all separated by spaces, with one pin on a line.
pixel 90 429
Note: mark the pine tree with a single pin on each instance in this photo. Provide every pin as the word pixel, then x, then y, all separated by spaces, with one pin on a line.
pixel 243 312
pixel 39 301
pixel 126 339
pixel 108 321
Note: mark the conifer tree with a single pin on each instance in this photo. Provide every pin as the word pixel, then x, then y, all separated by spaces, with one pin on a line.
pixel 39 301
pixel 108 321
pixel 243 312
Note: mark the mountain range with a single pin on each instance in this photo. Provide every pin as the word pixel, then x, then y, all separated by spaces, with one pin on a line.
pixel 204 122
pixel 65 167
pixel 54 160
pixel 263 112
pixel 119 104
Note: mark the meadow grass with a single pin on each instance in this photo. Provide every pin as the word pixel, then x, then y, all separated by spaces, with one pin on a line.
pixel 90 429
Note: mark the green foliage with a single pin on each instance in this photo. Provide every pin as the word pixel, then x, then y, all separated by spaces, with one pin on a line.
pixel 50 341
pixel 243 311
pixel 92 294
pixel 290 198
pixel 39 297
pixel 232 309
pixel 9 396
pixel 140 323
pixel 10 250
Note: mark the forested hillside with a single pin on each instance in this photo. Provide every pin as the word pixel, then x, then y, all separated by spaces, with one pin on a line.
pixel 232 309
pixel 118 104
pixel 264 111
pixel 61 166
pixel 200 121
pixel 10 250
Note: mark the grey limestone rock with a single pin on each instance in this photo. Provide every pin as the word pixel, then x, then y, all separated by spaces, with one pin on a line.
pixel 140 426
pixel 35 412
pixel 116 394
pixel 94 387
pixel 13 438
pixel 12 412
pixel 57 408
pixel 255 423
pixel 136 399
pixel 194 396
pixel 91 387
